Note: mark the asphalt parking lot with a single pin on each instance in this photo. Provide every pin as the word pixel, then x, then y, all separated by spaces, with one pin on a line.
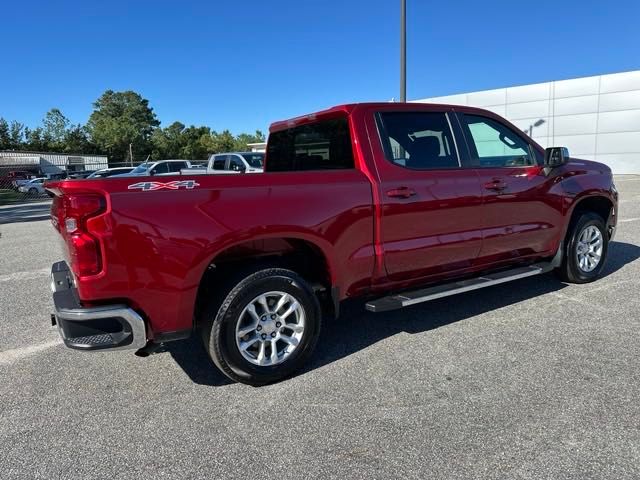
pixel 529 380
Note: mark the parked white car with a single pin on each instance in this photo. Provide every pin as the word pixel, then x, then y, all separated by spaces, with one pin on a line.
pixel 236 162
pixel 110 172
pixel 230 163
pixel 16 184
pixel 33 187
pixel 161 167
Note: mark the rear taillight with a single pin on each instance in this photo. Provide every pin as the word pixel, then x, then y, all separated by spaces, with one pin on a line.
pixel 75 216
pixel 85 254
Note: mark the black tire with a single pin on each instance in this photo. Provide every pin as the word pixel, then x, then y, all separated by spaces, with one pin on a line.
pixel 33 192
pixel 569 270
pixel 222 314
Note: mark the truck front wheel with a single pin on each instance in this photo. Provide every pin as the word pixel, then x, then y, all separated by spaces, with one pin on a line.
pixel 586 249
pixel 264 329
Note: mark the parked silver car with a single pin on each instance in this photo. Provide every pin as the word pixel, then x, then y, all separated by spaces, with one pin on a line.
pixel 33 187
pixel 161 167
pixel 110 172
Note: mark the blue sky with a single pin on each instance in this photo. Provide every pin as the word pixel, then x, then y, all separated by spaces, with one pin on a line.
pixel 243 64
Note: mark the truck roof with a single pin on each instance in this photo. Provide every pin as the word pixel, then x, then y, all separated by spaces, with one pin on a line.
pixel 347 108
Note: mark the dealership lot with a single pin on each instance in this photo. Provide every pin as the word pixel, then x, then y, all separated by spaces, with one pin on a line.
pixel 532 379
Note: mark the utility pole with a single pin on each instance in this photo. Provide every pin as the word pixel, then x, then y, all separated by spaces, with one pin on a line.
pixel 403 50
pixel 130 155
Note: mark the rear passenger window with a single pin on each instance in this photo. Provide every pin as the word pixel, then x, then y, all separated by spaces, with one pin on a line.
pixel 160 168
pixel 324 145
pixel 496 145
pixel 418 140
pixel 218 162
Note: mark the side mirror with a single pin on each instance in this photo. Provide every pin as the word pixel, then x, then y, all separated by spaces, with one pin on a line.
pixel 556 156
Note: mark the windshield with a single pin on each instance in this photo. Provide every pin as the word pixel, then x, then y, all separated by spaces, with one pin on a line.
pixel 255 160
pixel 142 168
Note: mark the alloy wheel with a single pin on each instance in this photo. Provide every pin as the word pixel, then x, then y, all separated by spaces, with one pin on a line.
pixel 589 248
pixel 270 328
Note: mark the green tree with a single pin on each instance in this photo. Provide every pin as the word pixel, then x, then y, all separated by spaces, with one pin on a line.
pixel 5 137
pixel 178 141
pixel 76 140
pixel 120 119
pixel 54 131
pixel 195 145
pixel 244 139
pixel 35 140
pixel 221 142
pixel 167 142
pixel 16 135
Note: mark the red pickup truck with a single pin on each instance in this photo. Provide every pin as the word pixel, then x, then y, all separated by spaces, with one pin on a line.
pixel 395 203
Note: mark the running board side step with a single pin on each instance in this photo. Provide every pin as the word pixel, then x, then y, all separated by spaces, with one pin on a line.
pixel 401 300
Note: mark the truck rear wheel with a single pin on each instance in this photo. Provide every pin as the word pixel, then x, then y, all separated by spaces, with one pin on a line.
pixel 264 329
pixel 586 249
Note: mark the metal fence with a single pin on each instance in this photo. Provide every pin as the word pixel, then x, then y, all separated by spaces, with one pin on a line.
pixel 19 181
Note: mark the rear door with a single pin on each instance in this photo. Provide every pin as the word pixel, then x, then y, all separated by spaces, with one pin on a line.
pixel 430 223
pixel 521 218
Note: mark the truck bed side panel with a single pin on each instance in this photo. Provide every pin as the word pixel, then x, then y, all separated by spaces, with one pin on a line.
pixel 159 243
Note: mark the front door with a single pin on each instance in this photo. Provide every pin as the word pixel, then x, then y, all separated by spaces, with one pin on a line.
pixel 430 220
pixel 522 218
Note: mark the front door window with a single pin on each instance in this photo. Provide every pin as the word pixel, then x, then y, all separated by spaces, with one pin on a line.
pixel 495 145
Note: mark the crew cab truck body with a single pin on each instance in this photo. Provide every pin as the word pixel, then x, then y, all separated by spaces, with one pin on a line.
pixel 230 163
pixel 161 167
pixel 398 203
pixel 236 162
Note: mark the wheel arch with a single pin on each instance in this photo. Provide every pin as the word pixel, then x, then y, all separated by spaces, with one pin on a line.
pixel 598 203
pixel 307 257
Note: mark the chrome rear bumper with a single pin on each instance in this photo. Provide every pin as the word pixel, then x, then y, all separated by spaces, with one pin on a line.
pixel 106 327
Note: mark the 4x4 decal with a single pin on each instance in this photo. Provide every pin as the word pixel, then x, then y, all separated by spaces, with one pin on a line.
pixel 175 185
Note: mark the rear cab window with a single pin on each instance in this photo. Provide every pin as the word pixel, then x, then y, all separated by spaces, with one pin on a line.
pixel 219 162
pixel 323 145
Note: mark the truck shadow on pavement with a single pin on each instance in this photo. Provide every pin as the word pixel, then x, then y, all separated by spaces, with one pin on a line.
pixel 25 213
pixel 357 329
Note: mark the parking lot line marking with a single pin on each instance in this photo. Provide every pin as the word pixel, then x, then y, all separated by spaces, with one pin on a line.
pixel 625 220
pixel 627 178
pixel 29 275
pixel 11 356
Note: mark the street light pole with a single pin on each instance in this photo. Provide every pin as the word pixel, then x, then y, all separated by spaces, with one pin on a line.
pixel 403 50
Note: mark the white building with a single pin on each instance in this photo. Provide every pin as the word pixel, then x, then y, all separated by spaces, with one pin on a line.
pixel 597 118
pixel 52 163
pixel 258 146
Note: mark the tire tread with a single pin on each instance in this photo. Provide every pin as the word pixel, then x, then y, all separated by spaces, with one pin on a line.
pixel 218 307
